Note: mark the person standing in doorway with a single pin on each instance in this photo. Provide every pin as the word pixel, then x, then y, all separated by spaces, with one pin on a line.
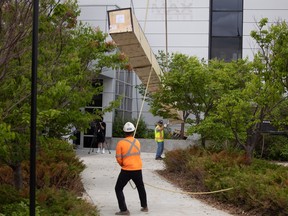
pixel 93 126
pixel 100 136
pixel 128 157
pixel 159 138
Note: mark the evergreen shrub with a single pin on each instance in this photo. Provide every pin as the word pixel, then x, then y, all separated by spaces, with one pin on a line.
pixel 261 187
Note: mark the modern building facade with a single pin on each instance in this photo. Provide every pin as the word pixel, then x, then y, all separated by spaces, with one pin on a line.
pixel 202 28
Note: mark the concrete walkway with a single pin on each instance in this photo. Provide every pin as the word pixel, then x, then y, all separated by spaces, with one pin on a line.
pixel 100 176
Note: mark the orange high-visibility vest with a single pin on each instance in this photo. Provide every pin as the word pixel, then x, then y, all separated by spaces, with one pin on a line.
pixel 128 154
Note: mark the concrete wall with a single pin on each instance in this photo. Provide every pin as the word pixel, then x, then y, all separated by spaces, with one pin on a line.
pixel 149 145
pixel 253 12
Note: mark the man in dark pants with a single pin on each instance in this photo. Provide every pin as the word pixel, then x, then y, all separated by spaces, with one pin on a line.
pixel 128 157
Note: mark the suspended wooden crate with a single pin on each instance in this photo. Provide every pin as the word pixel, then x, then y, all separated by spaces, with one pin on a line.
pixel 129 37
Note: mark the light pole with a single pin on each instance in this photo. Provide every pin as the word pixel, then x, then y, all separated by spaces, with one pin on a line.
pixel 166 34
pixel 33 107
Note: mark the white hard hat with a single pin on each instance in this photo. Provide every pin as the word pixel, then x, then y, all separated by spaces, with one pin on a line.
pixel 128 127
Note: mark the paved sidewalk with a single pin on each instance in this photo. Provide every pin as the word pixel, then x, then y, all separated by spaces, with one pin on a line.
pixel 100 176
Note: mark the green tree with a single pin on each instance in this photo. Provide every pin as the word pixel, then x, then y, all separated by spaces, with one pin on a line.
pixel 222 79
pixel 194 88
pixel 179 88
pixel 243 110
pixel 71 57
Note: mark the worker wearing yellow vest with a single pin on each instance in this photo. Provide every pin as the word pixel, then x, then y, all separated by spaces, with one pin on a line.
pixel 159 138
pixel 128 157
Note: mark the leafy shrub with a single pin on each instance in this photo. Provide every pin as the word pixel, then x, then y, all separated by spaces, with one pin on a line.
pixel 8 194
pixel 275 148
pixel 19 209
pixel 58 183
pixel 58 166
pixel 150 134
pixel 6 176
pixel 261 187
pixel 117 130
pixel 62 202
pixel 141 130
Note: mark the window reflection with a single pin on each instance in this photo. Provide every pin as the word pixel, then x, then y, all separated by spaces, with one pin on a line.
pixel 226 29
pixel 227 49
pixel 124 90
pixel 227 24
pixel 227 5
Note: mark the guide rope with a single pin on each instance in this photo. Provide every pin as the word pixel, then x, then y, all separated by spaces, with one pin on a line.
pixel 139 117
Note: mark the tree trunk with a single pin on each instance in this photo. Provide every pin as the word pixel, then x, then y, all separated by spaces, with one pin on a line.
pixel 18 180
pixel 203 142
pixel 248 154
pixel 252 141
pixel 182 130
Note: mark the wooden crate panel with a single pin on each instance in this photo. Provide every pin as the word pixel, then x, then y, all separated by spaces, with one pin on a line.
pixel 140 61
pixel 142 39
pixel 153 88
pixel 127 38
pixel 133 50
pixel 153 80
pixel 120 21
pixel 143 71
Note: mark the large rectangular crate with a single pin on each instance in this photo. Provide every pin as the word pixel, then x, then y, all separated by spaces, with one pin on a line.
pixel 129 37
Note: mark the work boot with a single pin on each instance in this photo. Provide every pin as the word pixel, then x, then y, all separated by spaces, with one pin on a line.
pixel 123 213
pixel 144 209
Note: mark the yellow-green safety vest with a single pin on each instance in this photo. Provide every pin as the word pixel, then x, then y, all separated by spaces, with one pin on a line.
pixel 159 135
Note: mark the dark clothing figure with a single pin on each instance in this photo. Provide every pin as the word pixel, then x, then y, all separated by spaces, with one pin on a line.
pixel 93 126
pixel 99 134
pixel 124 177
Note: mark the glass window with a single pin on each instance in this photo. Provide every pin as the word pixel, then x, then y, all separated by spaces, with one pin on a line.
pixel 128 77
pixel 97 83
pixel 127 115
pixel 226 27
pixel 227 5
pixel 122 75
pixel 121 88
pixel 120 114
pixel 97 100
pixel 87 141
pixel 227 49
pixel 124 88
pixel 129 106
pixel 227 24
pixel 128 92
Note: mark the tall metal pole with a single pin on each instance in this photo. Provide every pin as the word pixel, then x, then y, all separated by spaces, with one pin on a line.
pixel 33 108
pixel 166 34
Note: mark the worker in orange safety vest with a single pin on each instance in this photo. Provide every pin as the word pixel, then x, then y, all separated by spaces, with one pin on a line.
pixel 128 157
